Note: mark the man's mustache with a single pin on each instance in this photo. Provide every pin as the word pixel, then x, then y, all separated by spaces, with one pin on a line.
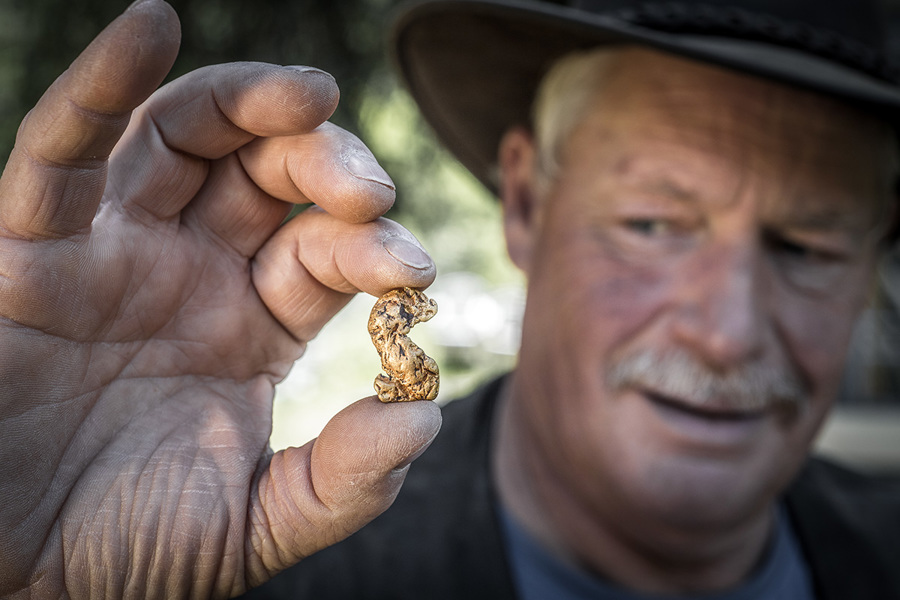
pixel 679 376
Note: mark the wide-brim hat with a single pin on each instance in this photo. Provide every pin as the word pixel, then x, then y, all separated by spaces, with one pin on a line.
pixel 473 66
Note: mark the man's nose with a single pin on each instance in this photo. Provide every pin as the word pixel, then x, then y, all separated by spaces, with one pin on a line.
pixel 723 304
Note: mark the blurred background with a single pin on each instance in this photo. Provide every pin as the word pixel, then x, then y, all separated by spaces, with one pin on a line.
pixel 480 294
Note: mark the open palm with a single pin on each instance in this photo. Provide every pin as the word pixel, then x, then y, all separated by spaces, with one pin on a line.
pixel 150 302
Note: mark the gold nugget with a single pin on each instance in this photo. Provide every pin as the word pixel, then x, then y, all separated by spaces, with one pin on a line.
pixel 411 374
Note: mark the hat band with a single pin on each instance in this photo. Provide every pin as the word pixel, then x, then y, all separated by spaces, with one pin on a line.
pixel 736 22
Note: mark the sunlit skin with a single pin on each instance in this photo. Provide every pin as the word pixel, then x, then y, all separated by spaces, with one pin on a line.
pixel 698 210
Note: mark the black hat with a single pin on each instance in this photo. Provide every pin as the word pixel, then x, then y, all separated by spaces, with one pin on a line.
pixel 473 65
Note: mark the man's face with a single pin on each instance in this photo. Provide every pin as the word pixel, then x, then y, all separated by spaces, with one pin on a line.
pixel 694 276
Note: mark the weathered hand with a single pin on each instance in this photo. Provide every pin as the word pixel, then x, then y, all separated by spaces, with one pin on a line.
pixel 149 302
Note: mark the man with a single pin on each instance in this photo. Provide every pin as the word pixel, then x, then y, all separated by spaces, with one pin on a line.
pixel 699 204
pixel 696 251
pixel 150 300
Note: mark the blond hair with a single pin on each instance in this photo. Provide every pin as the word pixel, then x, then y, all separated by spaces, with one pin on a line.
pixel 563 100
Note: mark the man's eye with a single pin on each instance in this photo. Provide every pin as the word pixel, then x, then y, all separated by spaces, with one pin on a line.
pixel 799 251
pixel 648 227
pixel 808 266
pixel 794 249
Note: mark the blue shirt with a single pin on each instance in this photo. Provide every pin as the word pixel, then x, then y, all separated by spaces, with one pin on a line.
pixel 539 575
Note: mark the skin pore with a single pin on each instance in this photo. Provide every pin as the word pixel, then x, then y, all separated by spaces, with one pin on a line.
pixel 695 271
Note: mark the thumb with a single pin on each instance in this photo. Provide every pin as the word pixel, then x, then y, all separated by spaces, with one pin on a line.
pixel 316 495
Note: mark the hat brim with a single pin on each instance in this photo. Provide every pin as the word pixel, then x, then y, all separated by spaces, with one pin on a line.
pixel 473 66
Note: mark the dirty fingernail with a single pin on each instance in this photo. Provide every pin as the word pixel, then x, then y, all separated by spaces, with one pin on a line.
pixel 304 70
pixel 364 166
pixel 407 252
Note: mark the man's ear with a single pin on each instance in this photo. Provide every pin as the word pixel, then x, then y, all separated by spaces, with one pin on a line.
pixel 521 209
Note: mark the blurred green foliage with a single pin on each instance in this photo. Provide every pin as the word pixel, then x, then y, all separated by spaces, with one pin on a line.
pixel 39 38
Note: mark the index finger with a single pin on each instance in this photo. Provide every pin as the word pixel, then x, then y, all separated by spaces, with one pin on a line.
pixel 163 157
pixel 56 173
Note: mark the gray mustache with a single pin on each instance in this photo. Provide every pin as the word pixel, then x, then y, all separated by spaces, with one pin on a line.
pixel 677 374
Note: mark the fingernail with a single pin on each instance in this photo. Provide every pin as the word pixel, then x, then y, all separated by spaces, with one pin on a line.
pixel 408 253
pixel 309 70
pixel 364 166
pixel 134 4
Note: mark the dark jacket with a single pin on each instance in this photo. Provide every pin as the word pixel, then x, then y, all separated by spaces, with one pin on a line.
pixel 441 539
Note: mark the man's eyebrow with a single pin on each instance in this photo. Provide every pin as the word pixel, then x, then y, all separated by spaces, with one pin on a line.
pixel 664 185
pixel 819 219
pixel 812 216
pixel 808 214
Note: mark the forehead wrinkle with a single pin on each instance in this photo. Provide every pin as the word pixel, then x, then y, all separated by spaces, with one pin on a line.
pixel 651 86
pixel 769 131
pixel 692 176
pixel 666 110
